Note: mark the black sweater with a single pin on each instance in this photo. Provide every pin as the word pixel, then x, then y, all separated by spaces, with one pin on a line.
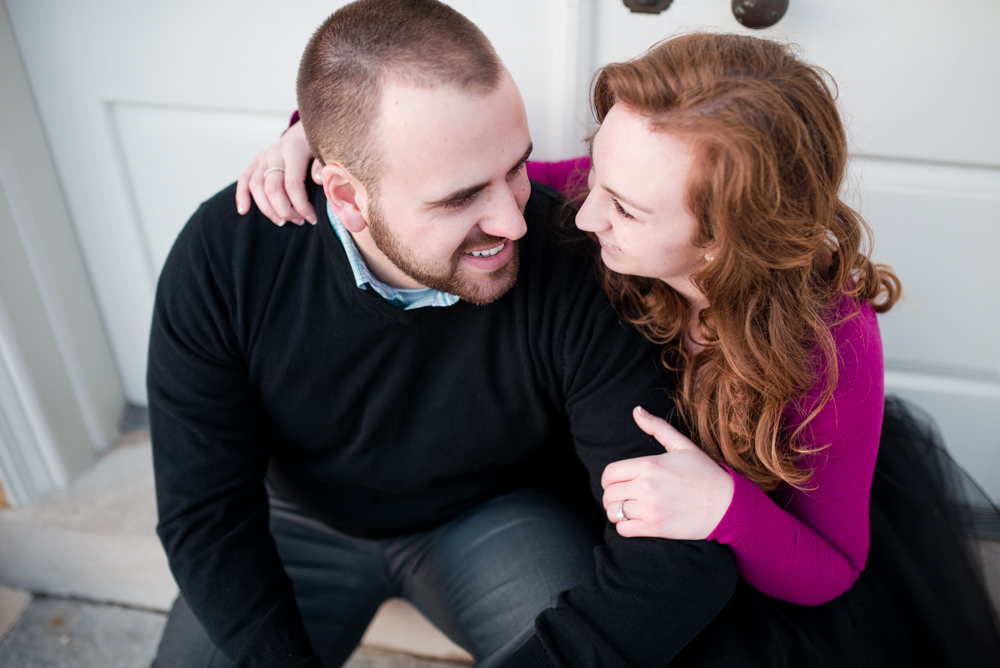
pixel 266 360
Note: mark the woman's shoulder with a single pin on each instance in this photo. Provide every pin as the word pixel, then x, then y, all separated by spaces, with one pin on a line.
pixel 855 331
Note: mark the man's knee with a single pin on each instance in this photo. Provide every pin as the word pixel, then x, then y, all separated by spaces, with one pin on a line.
pixel 487 576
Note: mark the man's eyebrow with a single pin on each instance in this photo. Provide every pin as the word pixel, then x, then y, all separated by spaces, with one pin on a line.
pixel 524 158
pixel 464 193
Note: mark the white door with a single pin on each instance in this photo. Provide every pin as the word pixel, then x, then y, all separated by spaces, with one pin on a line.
pixel 152 107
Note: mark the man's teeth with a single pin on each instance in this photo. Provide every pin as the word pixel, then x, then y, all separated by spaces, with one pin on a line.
pixel 488 252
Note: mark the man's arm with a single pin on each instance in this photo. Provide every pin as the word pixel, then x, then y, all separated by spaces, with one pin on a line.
pixel 646 598
pixel 210 459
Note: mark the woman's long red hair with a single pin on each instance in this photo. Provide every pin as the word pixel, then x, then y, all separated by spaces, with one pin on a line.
pixel 771 154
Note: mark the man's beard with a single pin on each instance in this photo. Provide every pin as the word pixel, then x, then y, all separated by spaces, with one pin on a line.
pixel 477 289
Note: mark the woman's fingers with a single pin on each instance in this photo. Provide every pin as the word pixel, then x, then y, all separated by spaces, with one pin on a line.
pixel 633 529
pixel 274 189
pixel 664 432
pixel 256 186
pixel 243 188
pixel 623 471
pixel 276 180
pixel 295 187
pixel 621 510
pixel 613 494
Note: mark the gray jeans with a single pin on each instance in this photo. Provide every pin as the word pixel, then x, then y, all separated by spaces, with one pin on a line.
pixel 481 578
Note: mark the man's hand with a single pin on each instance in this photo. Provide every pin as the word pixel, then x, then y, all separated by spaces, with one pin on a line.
pixel 682 494
pixel 276 178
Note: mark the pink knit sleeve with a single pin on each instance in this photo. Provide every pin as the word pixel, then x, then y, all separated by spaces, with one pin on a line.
pixel 809 547
pixel 567 176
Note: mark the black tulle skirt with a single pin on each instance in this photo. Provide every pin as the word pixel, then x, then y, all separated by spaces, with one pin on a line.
pixel 921 600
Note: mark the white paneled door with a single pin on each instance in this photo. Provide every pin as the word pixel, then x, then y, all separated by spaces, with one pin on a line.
pixel 152 107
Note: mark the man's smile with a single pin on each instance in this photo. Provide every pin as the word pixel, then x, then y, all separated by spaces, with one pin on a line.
pixel 490 259
pixel 487 252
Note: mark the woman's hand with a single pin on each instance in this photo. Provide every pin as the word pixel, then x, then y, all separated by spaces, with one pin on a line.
pixel 276 178
pixel 682 494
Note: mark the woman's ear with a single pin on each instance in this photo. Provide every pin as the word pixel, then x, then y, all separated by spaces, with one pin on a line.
pixel 346 195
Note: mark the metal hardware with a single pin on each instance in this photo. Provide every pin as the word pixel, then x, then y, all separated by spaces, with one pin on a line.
pixel 647 6
pixel 759 13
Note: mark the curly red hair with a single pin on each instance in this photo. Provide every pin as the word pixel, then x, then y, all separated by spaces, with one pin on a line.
pixel 771 152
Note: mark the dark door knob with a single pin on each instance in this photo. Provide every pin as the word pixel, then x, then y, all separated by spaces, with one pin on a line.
pixel 759 13
pixel 647 6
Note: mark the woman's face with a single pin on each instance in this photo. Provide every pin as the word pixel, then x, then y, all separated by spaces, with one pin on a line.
pixel 637 204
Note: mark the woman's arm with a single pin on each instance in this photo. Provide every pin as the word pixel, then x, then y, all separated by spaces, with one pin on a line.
pixel 808 547
pixel 274 179
pixel 803 547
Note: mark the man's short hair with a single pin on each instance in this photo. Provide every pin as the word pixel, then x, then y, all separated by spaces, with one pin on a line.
pixel 369 42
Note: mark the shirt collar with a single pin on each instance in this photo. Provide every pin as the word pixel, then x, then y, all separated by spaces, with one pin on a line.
pixel 404 299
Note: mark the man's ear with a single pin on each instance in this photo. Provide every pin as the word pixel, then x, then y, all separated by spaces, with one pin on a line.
pixel 347 196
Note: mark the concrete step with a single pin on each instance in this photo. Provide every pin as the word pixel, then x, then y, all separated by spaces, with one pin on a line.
pixel 97 541
pixel 71 633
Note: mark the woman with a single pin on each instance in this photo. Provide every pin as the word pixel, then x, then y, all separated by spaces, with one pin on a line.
pixel 713 198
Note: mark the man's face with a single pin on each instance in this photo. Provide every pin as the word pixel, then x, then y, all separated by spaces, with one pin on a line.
pixel 452 189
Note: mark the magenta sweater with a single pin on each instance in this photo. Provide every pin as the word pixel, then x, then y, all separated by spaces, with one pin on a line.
pixel 804 547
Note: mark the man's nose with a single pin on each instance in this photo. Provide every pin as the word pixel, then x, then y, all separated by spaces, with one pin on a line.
pixel 505 218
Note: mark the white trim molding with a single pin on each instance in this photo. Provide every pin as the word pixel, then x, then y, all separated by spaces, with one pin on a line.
pixel 60 397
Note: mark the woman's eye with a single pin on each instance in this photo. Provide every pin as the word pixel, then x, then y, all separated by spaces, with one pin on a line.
pixel 621 211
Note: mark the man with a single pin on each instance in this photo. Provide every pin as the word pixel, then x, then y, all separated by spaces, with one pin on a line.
pixel 409 378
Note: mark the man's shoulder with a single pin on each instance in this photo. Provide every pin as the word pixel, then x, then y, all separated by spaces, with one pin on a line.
pixel 217 224
pixel 218 236
pixel 228 258
pixel 553 244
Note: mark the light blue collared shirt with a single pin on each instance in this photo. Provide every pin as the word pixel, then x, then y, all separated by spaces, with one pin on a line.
pixel 400 297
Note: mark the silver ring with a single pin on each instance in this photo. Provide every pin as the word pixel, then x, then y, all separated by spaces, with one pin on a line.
pixel 272 169
pixel 621 511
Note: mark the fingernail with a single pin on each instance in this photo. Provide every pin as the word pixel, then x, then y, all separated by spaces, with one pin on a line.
pixel 642 411
pixel 279 223
pixel 241 210
pixel 312 221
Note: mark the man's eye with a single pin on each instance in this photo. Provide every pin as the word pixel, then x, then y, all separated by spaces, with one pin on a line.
pixel 621 211
pixel 458 204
